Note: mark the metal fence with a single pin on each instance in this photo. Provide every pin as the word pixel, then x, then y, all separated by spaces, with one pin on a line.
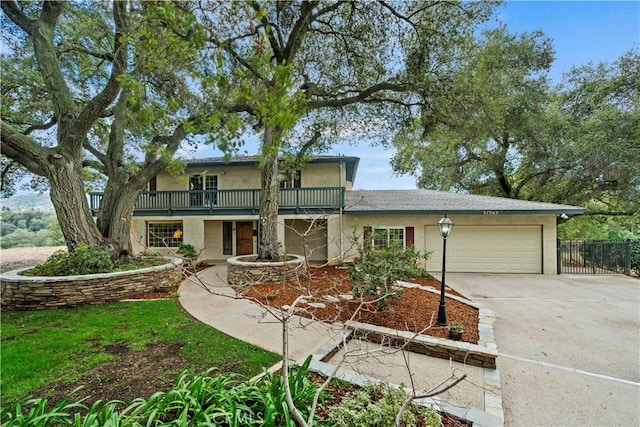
pixel 594 257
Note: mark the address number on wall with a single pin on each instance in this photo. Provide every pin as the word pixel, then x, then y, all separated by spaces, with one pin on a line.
pixel 491 212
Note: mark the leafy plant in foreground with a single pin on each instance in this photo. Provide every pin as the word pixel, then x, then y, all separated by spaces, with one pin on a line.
pixel 83 260
pixel 376 405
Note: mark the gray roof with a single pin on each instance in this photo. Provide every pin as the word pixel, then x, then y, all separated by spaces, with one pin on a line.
pixel 440 202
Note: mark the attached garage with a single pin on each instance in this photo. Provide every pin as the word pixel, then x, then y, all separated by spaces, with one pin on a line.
pixel 487 249
pixel 490 234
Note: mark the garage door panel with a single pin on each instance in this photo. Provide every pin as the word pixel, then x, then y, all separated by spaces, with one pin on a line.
pixel 488 249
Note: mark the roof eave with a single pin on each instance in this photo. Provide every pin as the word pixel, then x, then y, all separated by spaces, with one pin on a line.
pixel 485 212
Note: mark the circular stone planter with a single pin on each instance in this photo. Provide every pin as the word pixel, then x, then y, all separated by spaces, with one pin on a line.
pixel 246 270
pixel 44 292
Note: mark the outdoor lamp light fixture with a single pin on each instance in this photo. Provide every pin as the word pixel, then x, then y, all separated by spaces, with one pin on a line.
pixel 445 225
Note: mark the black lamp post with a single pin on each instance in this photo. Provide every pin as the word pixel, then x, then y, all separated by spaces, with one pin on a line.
pixel 445 225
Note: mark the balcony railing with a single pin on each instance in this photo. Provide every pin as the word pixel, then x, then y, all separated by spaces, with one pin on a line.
pixel 213 202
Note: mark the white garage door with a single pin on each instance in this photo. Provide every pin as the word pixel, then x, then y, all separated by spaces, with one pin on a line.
pixel 487 249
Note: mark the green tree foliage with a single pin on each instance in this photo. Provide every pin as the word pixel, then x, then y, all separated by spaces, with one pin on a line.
pixel 29 228
pixel 97 87
pixel 500 129
pixel 601 227
pixel 96 84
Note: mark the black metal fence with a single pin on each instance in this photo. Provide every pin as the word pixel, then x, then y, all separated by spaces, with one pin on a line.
pixel 594 257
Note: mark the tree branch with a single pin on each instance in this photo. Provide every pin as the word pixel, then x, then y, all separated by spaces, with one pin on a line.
pixel 105 56
pixel 299 29
pixel 22 149
pixel 102 100
pixel 273 41
pixel 94 165
pixel 358 97
pixel 14 13
pixel 94 151
pixel 42 126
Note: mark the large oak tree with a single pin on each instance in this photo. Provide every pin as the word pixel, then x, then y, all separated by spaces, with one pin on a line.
pixel 99 90
pixel 307 72
pixel 502 129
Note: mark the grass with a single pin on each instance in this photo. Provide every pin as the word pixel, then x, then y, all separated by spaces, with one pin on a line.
pixel 42 348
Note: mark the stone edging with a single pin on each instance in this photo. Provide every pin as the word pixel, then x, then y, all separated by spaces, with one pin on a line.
pixel 43 292
pixel 242 273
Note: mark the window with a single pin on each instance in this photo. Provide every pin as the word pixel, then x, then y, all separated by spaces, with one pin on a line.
pixel 380 237
pixel 153 184
pixel 383 236
pixel 227 238
pixel 164 234
pixel 208 183
pixel 292 180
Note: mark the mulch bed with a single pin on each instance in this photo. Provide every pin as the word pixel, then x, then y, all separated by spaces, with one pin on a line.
pixel 414 310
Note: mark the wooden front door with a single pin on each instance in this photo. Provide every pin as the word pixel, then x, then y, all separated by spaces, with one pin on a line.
pixel 244 238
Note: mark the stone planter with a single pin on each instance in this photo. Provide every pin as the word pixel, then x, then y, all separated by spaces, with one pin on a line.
pixel 245 270
pixel 40 293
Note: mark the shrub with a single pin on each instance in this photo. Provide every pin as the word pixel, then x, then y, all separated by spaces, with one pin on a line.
pixel 377 405
pixel 83 260
pixel 375 271
pixel 188 251
pixel 635 257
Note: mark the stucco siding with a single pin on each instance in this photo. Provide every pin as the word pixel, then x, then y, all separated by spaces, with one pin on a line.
pixel 546 222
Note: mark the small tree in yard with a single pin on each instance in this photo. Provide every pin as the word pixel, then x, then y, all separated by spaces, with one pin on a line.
pixel 376 271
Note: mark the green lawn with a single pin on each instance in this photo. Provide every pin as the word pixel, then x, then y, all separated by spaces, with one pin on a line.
pixel 43 348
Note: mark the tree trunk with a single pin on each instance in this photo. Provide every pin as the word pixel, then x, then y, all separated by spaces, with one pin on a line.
pixel 114 218
pixel 70 202
pixel 270 200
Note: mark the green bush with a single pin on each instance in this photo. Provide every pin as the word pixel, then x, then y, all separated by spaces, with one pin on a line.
pixel 83 260
pixel 635 257
pixel 377 405
pixel 375 271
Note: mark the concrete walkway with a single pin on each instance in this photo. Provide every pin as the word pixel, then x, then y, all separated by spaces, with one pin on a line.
pixel 208 299
pixel 569 346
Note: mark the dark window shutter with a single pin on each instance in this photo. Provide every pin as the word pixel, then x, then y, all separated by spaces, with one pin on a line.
pixel 366 238
pixel 297 179
pixel 153 184
pixel 408 236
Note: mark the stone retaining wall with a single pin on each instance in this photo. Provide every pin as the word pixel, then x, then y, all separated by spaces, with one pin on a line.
pixel 244 270
pixel 463 352
pixel 40 293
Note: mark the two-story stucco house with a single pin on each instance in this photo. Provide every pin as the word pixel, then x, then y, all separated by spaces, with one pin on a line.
pixel 215 209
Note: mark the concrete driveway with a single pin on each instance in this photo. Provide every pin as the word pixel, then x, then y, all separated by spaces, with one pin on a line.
pixel 569 346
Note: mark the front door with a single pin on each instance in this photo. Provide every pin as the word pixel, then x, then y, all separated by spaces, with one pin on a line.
pixel 244 238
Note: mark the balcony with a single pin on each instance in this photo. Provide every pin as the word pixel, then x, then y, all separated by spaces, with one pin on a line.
pixel 226 202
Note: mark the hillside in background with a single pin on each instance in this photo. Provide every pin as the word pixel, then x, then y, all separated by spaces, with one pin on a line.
pixel 28 220
pixel 28 201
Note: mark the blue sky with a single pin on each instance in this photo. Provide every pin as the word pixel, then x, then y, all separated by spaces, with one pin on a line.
pixel 582 32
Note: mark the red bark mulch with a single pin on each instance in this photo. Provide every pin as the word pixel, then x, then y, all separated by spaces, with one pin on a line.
pixel 414 310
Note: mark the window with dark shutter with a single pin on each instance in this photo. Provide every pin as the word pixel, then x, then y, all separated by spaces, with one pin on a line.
pixel 366 238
